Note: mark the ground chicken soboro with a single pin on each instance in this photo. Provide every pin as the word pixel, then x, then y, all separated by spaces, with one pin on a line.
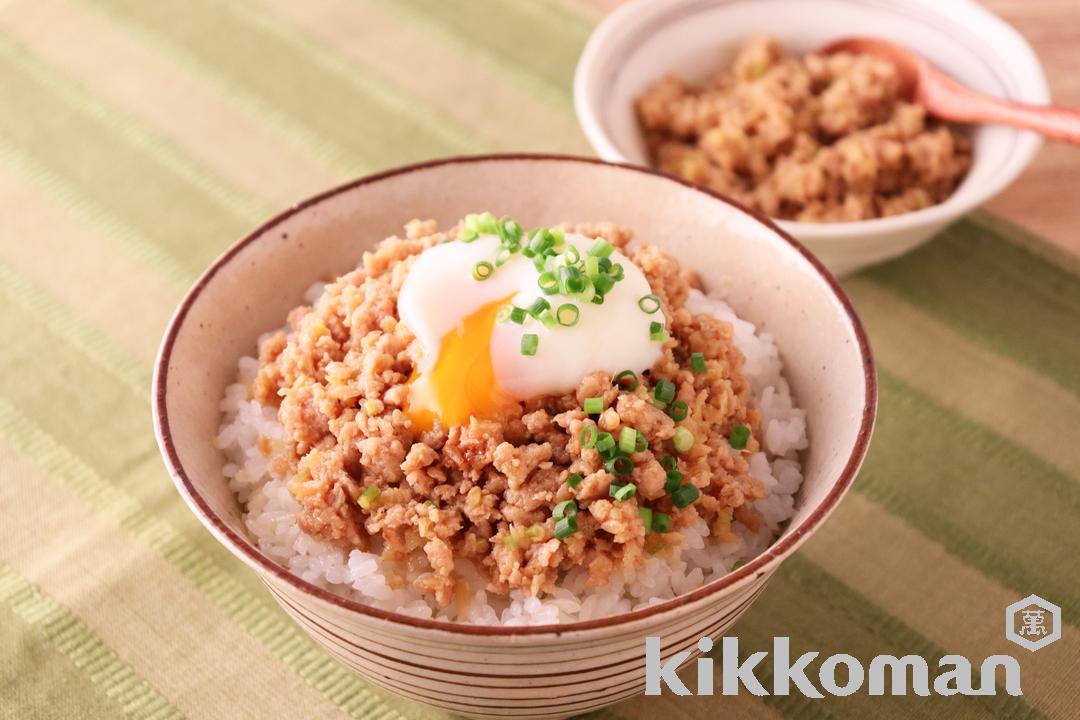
pixel 485 491
pixel 815 139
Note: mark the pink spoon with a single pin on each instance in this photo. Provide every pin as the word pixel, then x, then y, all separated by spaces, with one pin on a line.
pixel 946 99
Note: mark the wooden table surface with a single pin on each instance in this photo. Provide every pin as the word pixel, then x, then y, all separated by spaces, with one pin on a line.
pixel 1046 198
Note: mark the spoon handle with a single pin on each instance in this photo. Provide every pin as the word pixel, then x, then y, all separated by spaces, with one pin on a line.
pixel 952 101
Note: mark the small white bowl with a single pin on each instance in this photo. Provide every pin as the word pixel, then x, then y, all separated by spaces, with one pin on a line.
pixel 644 40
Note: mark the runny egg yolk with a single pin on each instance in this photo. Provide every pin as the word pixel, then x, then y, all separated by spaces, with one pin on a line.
pixel 461 383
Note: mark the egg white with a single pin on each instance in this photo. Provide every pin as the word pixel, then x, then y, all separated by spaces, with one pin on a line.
pixel 440 292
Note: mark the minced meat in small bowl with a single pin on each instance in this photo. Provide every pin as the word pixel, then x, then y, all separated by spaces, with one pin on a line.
pixel 735 96
pixel 479 456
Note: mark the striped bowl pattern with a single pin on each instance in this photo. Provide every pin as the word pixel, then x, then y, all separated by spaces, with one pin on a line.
pixel 546 671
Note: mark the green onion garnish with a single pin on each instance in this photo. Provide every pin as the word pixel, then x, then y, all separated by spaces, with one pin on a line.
pixel 567 314
pixel 567 508
pixel 622 492
pixel 601 248
pixel 593 405
pixel 616 273
pixel 626 380
pixel 502 255
pixel 657 332
pixel 661 523
pixel 685 495
pixel 673 481
pixel 738 436
pixel 566 527
pixel 646 517
pixel 547 318
pixel 482 270
pixel 592 266
pixel 683 439
pixel 604 442
pixel 697 362
pixel 678 410
pixel 368 497
pixel 575 479
pixel 571 256
pixel 539 306
pixel 641 444
pixel 619 465
pixel 664 392
pixel 529 343
pixel 649 303
pixel 571 281
pixel 548 283
pixel 738 564
pixel 628 440
pixel 517 315
pixel 602 284
pixel 588 436
pixel 669 463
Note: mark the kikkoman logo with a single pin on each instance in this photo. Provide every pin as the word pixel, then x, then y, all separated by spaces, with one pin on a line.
pixel 887 674
pixel 1032 623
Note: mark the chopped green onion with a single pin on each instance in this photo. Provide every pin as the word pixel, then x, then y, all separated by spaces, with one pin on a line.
pixel 646 517
pixel 661 523
pixel 571 281
pixel 738 564
pixel 574 480
pixel 559 236
pixel 641 444
pixel 738 436
pixel 592 266
pixel 567 314
pixel 649 303
pixel 368 497
pixel 588 436
pixel 602 284
pixel 567 508
pixel 517 315
pixel 601 248
pixel 673 481
pixel 664 392
pixel 683 439
pixel 669 462
pixel 697 362
pixel 547 318
pixel 502 255
pixel 571 256
pixel 482 270
pixel 604 265
pixel 605 442
pixel 548 283
pixel 566 527
pixel 678 410
pixel 622 493
pixel 538 307
pixel 685 495
pixel 616 273
pixel 628 440
pixel 504 313
pixel 541 242
pixel 593 405
pixel 529 343
pixel 657 332
pixel 626 375
pixel 619 465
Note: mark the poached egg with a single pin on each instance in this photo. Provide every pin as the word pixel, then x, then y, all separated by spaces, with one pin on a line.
pixel 472 363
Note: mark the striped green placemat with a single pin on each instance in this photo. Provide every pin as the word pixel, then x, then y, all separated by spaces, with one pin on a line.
pixel 138 139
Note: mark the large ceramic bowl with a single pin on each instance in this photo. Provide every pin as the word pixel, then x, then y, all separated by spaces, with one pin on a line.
pixel 551 671
pixel 644 40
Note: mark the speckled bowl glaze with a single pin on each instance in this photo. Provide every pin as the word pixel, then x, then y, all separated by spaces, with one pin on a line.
pixel 644 40
pixel 550 671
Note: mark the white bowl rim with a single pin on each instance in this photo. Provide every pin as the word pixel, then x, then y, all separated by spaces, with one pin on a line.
pixel 1034 89
pixel 244 550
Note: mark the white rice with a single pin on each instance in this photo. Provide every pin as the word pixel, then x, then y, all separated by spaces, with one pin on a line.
pixel 270 512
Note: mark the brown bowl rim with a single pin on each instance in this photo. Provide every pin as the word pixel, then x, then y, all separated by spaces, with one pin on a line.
pixel 238 545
